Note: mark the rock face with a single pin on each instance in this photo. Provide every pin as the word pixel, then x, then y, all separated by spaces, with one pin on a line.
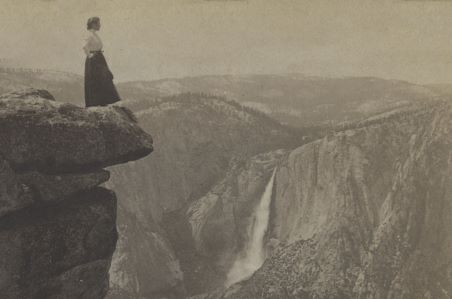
pixel 363 213
pixel 57 227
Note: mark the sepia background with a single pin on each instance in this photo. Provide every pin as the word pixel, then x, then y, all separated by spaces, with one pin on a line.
pixel 408 40
pixel 299 149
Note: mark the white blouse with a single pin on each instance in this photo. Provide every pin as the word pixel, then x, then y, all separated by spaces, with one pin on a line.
pixel 92 43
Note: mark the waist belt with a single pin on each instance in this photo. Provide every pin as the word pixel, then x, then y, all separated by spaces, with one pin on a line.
pixel 97 51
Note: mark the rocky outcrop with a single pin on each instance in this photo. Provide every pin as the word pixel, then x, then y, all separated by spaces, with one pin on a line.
pixel 57 226
pixel 37 134
pixel 363 213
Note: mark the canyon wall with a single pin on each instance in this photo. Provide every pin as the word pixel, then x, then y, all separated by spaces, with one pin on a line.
pixel 363 213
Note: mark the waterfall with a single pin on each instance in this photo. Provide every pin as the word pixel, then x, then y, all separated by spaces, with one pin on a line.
pixel 254 254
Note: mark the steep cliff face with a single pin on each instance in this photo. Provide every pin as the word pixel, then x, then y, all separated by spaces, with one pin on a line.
pixel 363 213
pixel 57 226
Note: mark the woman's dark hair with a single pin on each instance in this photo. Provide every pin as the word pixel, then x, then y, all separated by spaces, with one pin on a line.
pixel 91 22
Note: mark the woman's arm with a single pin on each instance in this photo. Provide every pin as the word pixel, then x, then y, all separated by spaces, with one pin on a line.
pixel 87 47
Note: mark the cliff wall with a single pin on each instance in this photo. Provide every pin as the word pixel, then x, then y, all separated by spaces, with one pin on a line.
pixel 363 213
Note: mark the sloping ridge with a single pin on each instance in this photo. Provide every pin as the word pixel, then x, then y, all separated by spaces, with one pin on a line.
pixel 57 226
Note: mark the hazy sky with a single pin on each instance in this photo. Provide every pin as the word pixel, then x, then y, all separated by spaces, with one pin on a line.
pixel 151 39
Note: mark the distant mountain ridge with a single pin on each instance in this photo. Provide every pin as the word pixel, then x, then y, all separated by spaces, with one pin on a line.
pixel 294 99
pixel 64 86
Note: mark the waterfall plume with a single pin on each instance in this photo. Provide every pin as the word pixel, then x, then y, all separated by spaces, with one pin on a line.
pixel 253 255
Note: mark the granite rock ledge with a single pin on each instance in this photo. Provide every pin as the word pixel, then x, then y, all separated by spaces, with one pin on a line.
pixel 57 225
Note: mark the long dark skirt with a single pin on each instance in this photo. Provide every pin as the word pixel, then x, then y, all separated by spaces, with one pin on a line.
pixel 99 87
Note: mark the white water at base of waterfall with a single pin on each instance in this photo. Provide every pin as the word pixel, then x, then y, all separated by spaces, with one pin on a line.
pixel 253 255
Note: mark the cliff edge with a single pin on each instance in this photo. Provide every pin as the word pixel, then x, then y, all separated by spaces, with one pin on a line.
pixel 57 225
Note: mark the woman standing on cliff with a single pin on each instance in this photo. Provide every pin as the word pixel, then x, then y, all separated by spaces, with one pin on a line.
pixel 99 87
